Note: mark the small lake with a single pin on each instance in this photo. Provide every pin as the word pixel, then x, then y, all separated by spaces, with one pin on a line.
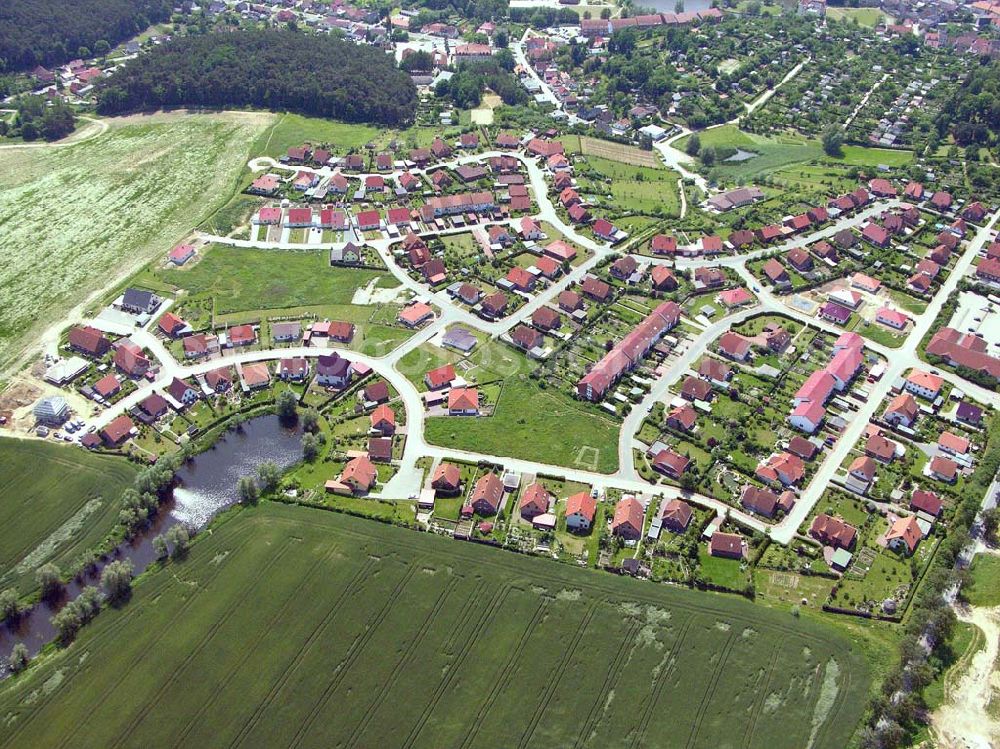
pixel 206 486
pixel 741 155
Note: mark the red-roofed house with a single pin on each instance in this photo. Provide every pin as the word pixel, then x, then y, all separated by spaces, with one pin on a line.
pixel 580 510
pixel 904 535
pixel 534 501
pixel 628 519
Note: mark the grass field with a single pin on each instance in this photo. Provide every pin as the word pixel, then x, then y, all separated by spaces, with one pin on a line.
pixel 984 587
pixel 58 502
pixel 245 279
pixel 533 424
pixel 294 130
pixel 869 17
pixel 779 153
pixel 289 626
pixel 640 189
pixel 73 219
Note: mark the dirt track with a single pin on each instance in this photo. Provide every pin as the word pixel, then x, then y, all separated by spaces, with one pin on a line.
pixel 963 721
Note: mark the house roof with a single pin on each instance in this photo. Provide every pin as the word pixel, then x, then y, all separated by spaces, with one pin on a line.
pixel 534 498
pixel 447 475
pixel 383 414
pixel 925 380
pixel 907 530
pixel 833 531
pixel 944 467
pixel 628 512
pixel 360 471
pixel 488 489
pixel 817 387
pixel 677 512
pixel 582 504
pixel 726 543
pixel 863 466
pixel 463 399
pixel 953 443
pixel 441 376
pixel 733 344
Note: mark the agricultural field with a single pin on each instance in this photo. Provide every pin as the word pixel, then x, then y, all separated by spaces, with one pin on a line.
pixel 295 129
pixel 58 503
pixel 787 154
pixel 619 152
pixel 73 218
pixel 400 639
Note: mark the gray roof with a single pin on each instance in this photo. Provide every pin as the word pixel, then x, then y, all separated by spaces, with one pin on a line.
pixel 137 298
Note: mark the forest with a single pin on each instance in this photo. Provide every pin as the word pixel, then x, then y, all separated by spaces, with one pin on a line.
pixel 51 32
pixel 283 70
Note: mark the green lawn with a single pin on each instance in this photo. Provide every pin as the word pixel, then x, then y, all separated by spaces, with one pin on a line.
pixel 243 279
pixel 534 424
pixel 295 626
pixel 637 188
pixel 724 572
pixel 73 220
pixel 984 585
pixel 294 130
pixel 779 153
pixel 772 153
pixel 864 156
pixel 58 502
pixel 869 17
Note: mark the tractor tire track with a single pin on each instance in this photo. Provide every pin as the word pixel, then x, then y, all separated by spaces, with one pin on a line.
pixel 484 616
pixel 300 656
pixel 554 680
pixel 247 653
pixel 168 682
pixel 610 680
pixel 706 698
pixel 353 653
pixel 505 675
pixel 403 662
pixel 661 682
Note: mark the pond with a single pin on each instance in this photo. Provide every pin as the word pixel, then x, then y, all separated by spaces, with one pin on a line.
pixel 206 485
pixel 741 155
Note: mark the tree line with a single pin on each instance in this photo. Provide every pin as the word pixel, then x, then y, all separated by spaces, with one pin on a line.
pixel 50 32
pixel 273 69
pixel 34 118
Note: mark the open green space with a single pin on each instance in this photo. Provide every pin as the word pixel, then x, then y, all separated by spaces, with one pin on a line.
pixel 246 279
pixel 303 627
pixel 774 153
pixel 983 588
pixel 639 189
pixel 533 424
pixel 58 502
pixel 869 17
pixel 74 218
pixel 295 129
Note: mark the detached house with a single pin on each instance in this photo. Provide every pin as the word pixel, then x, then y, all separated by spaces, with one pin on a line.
pixel 580 511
